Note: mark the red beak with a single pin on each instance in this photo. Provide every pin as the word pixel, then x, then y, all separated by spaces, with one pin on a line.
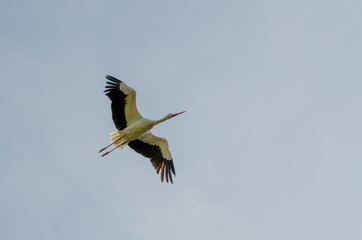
pixel 174 115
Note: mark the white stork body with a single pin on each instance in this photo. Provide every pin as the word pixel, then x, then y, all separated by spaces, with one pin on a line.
pixel 134 130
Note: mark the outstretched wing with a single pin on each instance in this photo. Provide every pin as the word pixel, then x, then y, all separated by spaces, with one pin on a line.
pixel 124 109
pixel 156 149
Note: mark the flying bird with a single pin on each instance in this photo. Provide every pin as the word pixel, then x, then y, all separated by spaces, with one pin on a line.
pixel 135 130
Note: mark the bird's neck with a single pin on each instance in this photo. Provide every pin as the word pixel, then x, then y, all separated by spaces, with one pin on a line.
pixel 160 121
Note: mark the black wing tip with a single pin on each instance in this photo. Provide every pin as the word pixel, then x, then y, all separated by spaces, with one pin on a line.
pixel 112 85
pixel 167 169
pixel 173 168
pixel 113 79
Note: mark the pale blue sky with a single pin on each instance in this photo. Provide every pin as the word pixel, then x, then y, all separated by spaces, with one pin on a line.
pixel 270 146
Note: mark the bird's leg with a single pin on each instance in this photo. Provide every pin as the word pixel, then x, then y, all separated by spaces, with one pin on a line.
pixel 104 154
pixel 110 145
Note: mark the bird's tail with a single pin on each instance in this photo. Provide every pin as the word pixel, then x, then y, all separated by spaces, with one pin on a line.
pixel 117 139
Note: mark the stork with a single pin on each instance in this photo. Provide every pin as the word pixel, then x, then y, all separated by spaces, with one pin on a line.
pixel 135 130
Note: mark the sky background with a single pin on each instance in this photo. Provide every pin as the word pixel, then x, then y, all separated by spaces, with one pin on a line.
pixel 269 148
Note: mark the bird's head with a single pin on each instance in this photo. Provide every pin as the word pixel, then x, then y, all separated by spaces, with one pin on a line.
pixel 173 115
pixel 168 116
